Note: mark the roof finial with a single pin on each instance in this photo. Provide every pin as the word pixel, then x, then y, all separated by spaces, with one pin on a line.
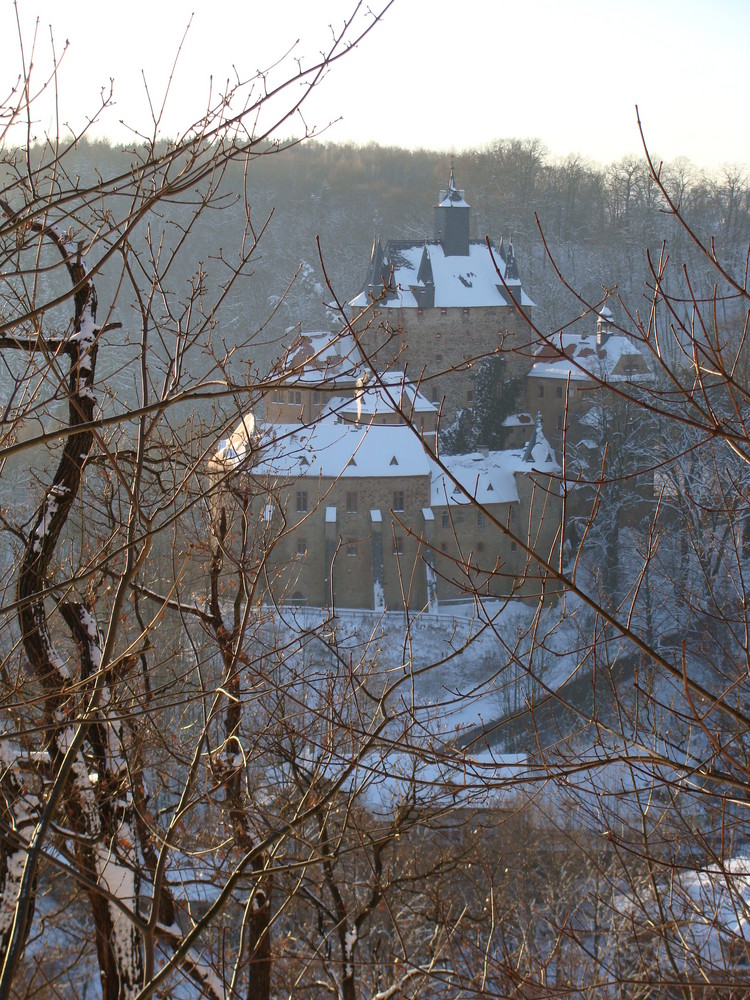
pixel 451 182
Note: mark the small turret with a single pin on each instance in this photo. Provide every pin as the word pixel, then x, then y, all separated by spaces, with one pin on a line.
pixel 603 326
pixel 452 220
pixel 511 269
pixel 538 450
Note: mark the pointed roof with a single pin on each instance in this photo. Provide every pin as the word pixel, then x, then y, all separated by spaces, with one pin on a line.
pixel 538 450
pixel 452 197
pixel 511 270
pixel 424 274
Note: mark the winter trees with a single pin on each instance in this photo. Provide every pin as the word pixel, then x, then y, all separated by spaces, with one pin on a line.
pixel 126 785
pixel 204 797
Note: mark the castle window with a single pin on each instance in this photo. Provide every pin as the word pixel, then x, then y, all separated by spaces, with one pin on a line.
pixel 351 549
pixel 470 397
pixel 398 546
pixel 513 546
pixel 540 391
pixel 398 500
pixel 301 547
pixel 295 396
pixel 480 520
pixel 443 547
pixel 443 312
pixel 439 359
pixel 277 396
pixel 352 505
pixel 558 391
pixel 446 519
pixel 434 394
pixel 301 501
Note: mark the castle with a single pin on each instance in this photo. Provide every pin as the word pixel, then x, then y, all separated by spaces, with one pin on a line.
pixel 354 506
pixel 435 308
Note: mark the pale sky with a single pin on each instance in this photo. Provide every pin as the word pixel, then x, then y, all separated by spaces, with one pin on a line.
pixel 444 75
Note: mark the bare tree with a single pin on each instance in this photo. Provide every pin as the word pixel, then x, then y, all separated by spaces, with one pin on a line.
pixel 96 795
pixel 202 794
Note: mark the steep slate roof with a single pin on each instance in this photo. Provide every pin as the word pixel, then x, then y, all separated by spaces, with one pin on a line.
pixel 450 271
pixel 459 282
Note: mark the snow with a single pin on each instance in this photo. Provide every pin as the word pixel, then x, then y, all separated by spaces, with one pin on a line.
pixel 389 394
pixel 239 444
pixel 92 633
pixel 450 200
pixel 460 282
pixel 350 941
pixel 579 358
pixel 518 420
pixel 328 448
pixel 321 358
pixel 488 479
pixel 48 512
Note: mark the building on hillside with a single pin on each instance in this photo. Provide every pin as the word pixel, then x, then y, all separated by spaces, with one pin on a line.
pixel 359 514
pixel 587 388
pixel 570 373
pixel 434 307
pixel 325 371
pixel 314 367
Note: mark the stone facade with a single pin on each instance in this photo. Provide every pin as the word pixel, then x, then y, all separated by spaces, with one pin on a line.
pixel 364 516
pixel 433 308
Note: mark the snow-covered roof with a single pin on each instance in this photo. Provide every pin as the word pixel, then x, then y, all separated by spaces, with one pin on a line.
pixel 319 357
pixel 489 478
pixel 236 447
pixel 453 197
pixel 460 282
pixel 331 448
pixel 390 393
pixel 569 355
pixel 518 420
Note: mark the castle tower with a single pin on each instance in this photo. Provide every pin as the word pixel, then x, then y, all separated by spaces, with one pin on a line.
pixel 452 221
